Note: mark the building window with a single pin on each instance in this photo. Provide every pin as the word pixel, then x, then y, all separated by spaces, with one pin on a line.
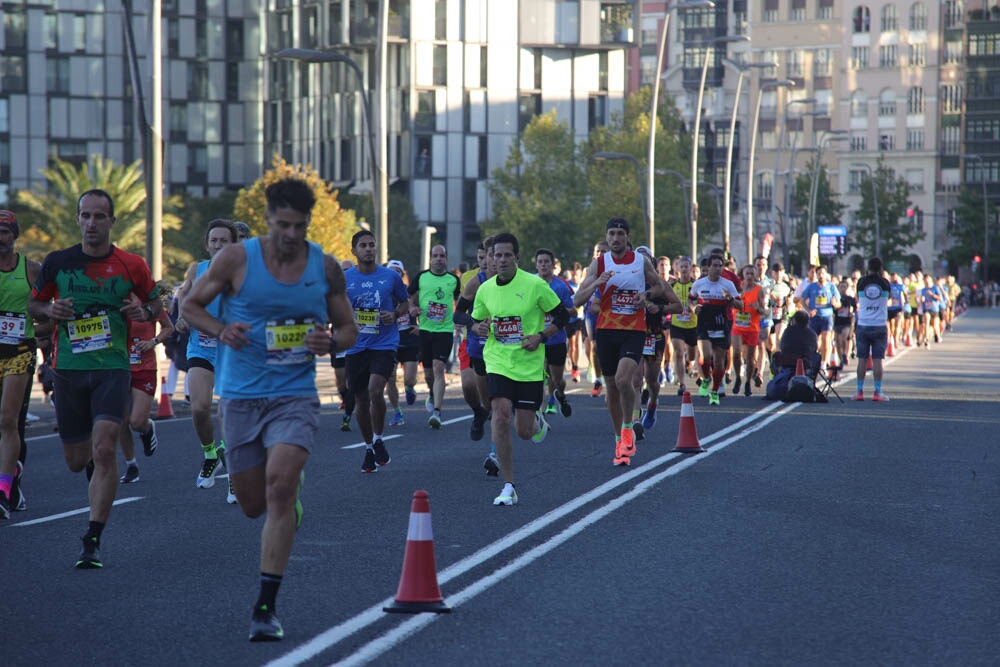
pixel 859 104
pixel 975 130
pixel 952 13
pixel 862 19
pixel 650 34
pixel 888 23
pixel 770 11
pixel 441 19
pixel 953 52
pixel 859 57
pixel 14 28
pixel 822 63
pixel 57 76
pixel 178 122
pixel 602 71
pixel 597 111
pixel 888 56
pixel 483 66
pixel 536 57
pixel 469 199
pixel 824 12
pixel 795 64
pixel 797 11
pixel 79 32
pixel 887 104
pixel 855 178
pixel 647 70
pixel 918 16
pixel 918 55
pixel 423 166
pixel 440 65
pixel 950 140
pixel 951 98
pixel 859 142
pixel 886 141
pixel 915 101
pixel 484 163
pixel 529 105
pixel 197 81
pixel 13 77
pixel 4 117
pixel 234 39
pixel 74 152
pixel 765 185
pixel 914 139
pixel 232 81
pixel 426 116
pixel 768 56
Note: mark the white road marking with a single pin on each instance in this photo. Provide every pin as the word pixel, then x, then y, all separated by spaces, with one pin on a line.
pixel 63 515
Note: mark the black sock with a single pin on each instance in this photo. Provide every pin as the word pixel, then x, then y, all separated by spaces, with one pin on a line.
pixel 95 530
pixel 269 584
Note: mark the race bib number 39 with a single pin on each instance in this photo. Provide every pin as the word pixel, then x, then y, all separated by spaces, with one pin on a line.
pixel 12 328
pixel 89 332
pixel 508 330
pixel 285 341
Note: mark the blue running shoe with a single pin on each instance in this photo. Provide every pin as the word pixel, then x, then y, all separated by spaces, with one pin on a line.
pixel 649 419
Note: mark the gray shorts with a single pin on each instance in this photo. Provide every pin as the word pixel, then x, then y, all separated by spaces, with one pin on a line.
pixel 251 425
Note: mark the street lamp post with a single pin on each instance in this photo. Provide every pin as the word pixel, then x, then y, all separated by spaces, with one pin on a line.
pixel 770 85
pixel 986 216
pixel 600 156
pixel 741 70
pixel 651 148
pixel 871 179
pixel 710 47
pixel 831 135
pixel 777 154
pixel 378 192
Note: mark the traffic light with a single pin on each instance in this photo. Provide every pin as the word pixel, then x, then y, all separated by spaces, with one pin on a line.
pixel 910 212
pixel 976 259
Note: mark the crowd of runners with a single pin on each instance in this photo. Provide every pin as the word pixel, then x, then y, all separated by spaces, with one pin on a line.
pixel 258 311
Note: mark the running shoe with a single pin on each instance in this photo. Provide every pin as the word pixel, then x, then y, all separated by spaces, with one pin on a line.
pixel 713 398
pixel 411 395
pixel 17 502
pixel 345 425
pixel 639 430
pixel 758 381
pixel 649 419
pixel 644 398
pixel 738 385
pixel 543 428
pixel 4 506
pixel 860 396
pixel 478 428
pixel 626 446
pixel 879 397
pixel 369 462
pixel 671 376
pixel 131 474
pixel 397 418
pixel 661 379
pixel 722 389
pixel 231 496
pixel 596 391
pixel 434 421
pixel 265 626
pixel 381 453
pixel 429 403
pixel 746 390
pixel 550 406
pixel 508 496
pixel 209 468
pixel 492 465
pixel 729 377
pixel 90 556
pixel 149 441
pixel 622 461
pixel 703 387
pixel 575 375
pixel 564 405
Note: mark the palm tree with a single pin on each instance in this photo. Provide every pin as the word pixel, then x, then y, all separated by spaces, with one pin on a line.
pixel 49 218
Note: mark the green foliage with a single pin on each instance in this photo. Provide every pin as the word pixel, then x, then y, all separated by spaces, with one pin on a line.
pixel 404 229
pixel 331 226
pixel 48 217
pixel 198 212
pixel 829 210
pixel 967 233
pixel 895 232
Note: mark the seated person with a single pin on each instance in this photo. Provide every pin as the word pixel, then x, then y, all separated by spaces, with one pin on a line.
pixel 799 342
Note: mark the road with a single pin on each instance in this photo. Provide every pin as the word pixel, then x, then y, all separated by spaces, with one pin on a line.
pixel 839 533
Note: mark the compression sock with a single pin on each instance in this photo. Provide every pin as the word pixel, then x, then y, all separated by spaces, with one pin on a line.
pixel 210 451
pixel 269 584
pixel 861 386
pixel 6 481
pixel 878 387
pixel 130 463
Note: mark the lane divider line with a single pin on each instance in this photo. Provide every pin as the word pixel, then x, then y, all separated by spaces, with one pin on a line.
pixel 63 515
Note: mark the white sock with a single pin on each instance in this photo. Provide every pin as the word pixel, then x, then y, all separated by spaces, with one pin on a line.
pixel 130 462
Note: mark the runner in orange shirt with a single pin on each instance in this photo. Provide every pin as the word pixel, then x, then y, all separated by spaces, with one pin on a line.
pixel 746 328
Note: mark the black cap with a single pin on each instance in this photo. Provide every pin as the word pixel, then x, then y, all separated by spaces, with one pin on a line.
pixel 618 223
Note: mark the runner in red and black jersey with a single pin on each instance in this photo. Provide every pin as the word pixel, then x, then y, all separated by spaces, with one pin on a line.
pixel 715 297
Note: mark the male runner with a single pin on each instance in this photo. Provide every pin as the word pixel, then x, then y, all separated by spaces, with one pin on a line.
pixel 279 295
pixel 683 325
pixel 821 299
pixel 17 360
pixel 510 310
pixel 712 297
pixel 872 332
pixel 472 368
pixel 627 281
pixel 746 329
pixel 766 323
pixel 84 290
pixel 407 354
pixel 201 352
pixel 432 298
pixel 378 297
pixel 555 346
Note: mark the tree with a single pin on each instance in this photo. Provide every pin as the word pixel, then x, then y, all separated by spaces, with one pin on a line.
pixel 828 209
pixel 49 219
pixel 404 228
pixel 331 226
pixel 897 232
pixel 539 194
pixel 966 228
pixel 198 212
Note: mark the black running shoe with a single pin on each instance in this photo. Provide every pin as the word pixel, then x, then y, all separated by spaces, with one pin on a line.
pixel 478 425
pixel 564 405
pixel 381 453
pixel 131 475
pixel 492 465
pixel 645 396
pixel 17 503
pixel 90 556
pixel 369 463
pixel 639 430
pixel 4 506
pixel 346 424
pixel 265 626
pixel 149 440
pixel 737 385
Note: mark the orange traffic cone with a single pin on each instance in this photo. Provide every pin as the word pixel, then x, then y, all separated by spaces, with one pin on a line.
pixel 891 351
pixel 418 587
pixel 907 340
pixel 687 433
pixel 799 369
pixel 165 409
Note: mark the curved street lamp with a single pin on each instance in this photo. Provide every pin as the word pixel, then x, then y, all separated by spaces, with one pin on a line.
pixel 829 136
pixel 769 85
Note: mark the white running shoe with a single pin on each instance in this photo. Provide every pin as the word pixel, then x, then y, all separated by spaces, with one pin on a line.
pixel 507 497
pixel 543 428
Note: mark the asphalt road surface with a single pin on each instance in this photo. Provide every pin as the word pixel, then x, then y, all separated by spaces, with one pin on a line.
pixel 839 533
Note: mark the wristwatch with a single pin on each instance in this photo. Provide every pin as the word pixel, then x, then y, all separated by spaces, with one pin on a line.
pixel 543 337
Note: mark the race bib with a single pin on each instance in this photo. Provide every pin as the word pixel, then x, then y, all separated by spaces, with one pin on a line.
pixel 682 317
pixel 822 300
pixel 12 328
pixel 367 319
pixel 742 320
pixel 403 323
pixel 623 302
pixel 717 333
pixel 134 355
pixel 89 332
pixel 843 312
pixel 776 313
pixel 285 341
pixel 649 346
pixel 508 330
pixel 204 340
pixel 436 312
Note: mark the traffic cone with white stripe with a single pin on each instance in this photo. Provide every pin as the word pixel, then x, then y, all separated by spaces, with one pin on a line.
pixel 892 346
pixel 418 587
pixel 165 410
pixel 687 432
